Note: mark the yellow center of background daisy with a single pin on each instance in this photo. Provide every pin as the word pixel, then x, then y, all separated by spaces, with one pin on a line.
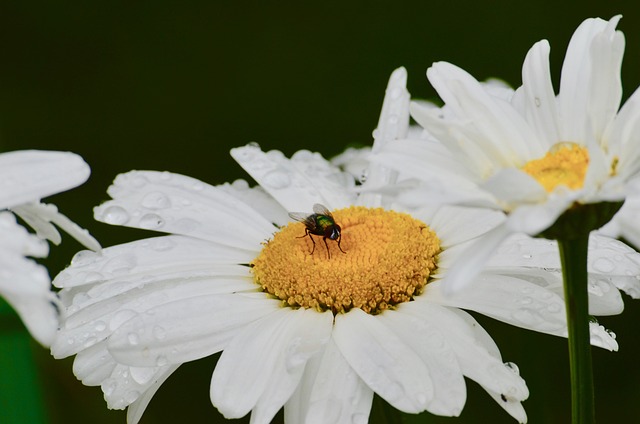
pixel 389 257
pixel 565 164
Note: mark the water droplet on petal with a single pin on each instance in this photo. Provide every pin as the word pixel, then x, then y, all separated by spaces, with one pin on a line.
pixel 133 339
pixel 603 265
pixel 100 326
pixel 159 333
pixel 151 221
pixel 114 215
pixel 156 200
pixel 109 386
pixel 142 375
pixel 359 419
pixel 512 367
pixel 161 361
pixel 131 396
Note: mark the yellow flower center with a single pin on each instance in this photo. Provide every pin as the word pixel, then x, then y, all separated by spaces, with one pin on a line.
pixel 389 257
pixel 565 164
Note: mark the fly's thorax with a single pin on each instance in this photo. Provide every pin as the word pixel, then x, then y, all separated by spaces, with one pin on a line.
pixel 389 258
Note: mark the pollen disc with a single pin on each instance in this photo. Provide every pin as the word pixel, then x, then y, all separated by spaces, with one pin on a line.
pixel 389 258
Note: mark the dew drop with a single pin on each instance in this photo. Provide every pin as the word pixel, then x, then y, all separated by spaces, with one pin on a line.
pixel 395 93
pixel 139 181
pixel 197 186
pixel 537 101
pixel 512 367
pixel 114 215
pixel 131 396
pixel 120 264
pixel 393 119
pixel 142 375
pixel 151 221
pixel 161 361
pixel 603 265
pixel 133 339
pixel 109 386
pixel 156 200
pixel 254 145
pixel 100 326
pixel 90 342
pixel 276 180
pixel 159 333
pixel 527 256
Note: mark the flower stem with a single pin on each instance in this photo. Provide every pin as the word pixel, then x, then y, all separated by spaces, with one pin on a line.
pixel 573 255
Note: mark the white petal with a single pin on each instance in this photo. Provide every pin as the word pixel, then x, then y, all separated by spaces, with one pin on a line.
pixel 258 199
pixel 93 315
pixel 126 385
pixel 185 330
pixel 177 204
pixel 606 51
pixel 534 218
pixel 573 98
pixel 94 365
pixel 41 218
pixel 539 96
pixel 392 125
pixel 149 259
pixel 431 345
pixel 512 300
pixel 621 136
pixel 455 225
pixel 474 259
pixel 477 361
pixel 602 337
pixel 297 183
pixel 24 283
pixel 30 175
pixel 510 187
pixel 502 132
pixel 329 392
pixel 383 361
pixel 315 332
pixel 263 364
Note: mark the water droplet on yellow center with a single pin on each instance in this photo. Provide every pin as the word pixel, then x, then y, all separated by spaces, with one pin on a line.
pixel 565 164
pixel 389 258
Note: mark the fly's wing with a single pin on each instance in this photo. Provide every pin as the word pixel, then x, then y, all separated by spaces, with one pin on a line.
pixel 306 218
pixel 321 209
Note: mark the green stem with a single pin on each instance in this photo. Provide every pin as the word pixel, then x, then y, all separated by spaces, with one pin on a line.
pixel 573 255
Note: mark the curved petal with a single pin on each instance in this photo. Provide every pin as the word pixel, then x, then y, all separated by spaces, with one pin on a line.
pixel 511 186
pixel 152 258
pixel 476 255
pixel 427 340
pixel 329 392
pixel 30 175
pixel 174 203
pixel 508 299
pixel 477 361
pixel 573 98
pixel 605 88
pixel 383 361
pixel 41 217
pixel 297 183
pixel 283 341
pixel 185 330
pixel 392 125
pixel 539 97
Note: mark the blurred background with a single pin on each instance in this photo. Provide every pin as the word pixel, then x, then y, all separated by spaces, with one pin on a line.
pixel 171 85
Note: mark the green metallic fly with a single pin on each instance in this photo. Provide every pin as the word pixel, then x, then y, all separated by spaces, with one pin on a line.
pixel 319 223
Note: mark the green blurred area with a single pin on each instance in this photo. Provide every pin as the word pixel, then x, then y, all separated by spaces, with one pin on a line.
pixel 174 85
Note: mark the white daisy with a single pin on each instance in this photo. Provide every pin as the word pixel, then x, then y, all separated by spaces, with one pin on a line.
pixel 26 177
pixel 316 333
pixel 532 154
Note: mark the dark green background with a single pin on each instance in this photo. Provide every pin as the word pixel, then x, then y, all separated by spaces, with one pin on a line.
pixel 174 85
